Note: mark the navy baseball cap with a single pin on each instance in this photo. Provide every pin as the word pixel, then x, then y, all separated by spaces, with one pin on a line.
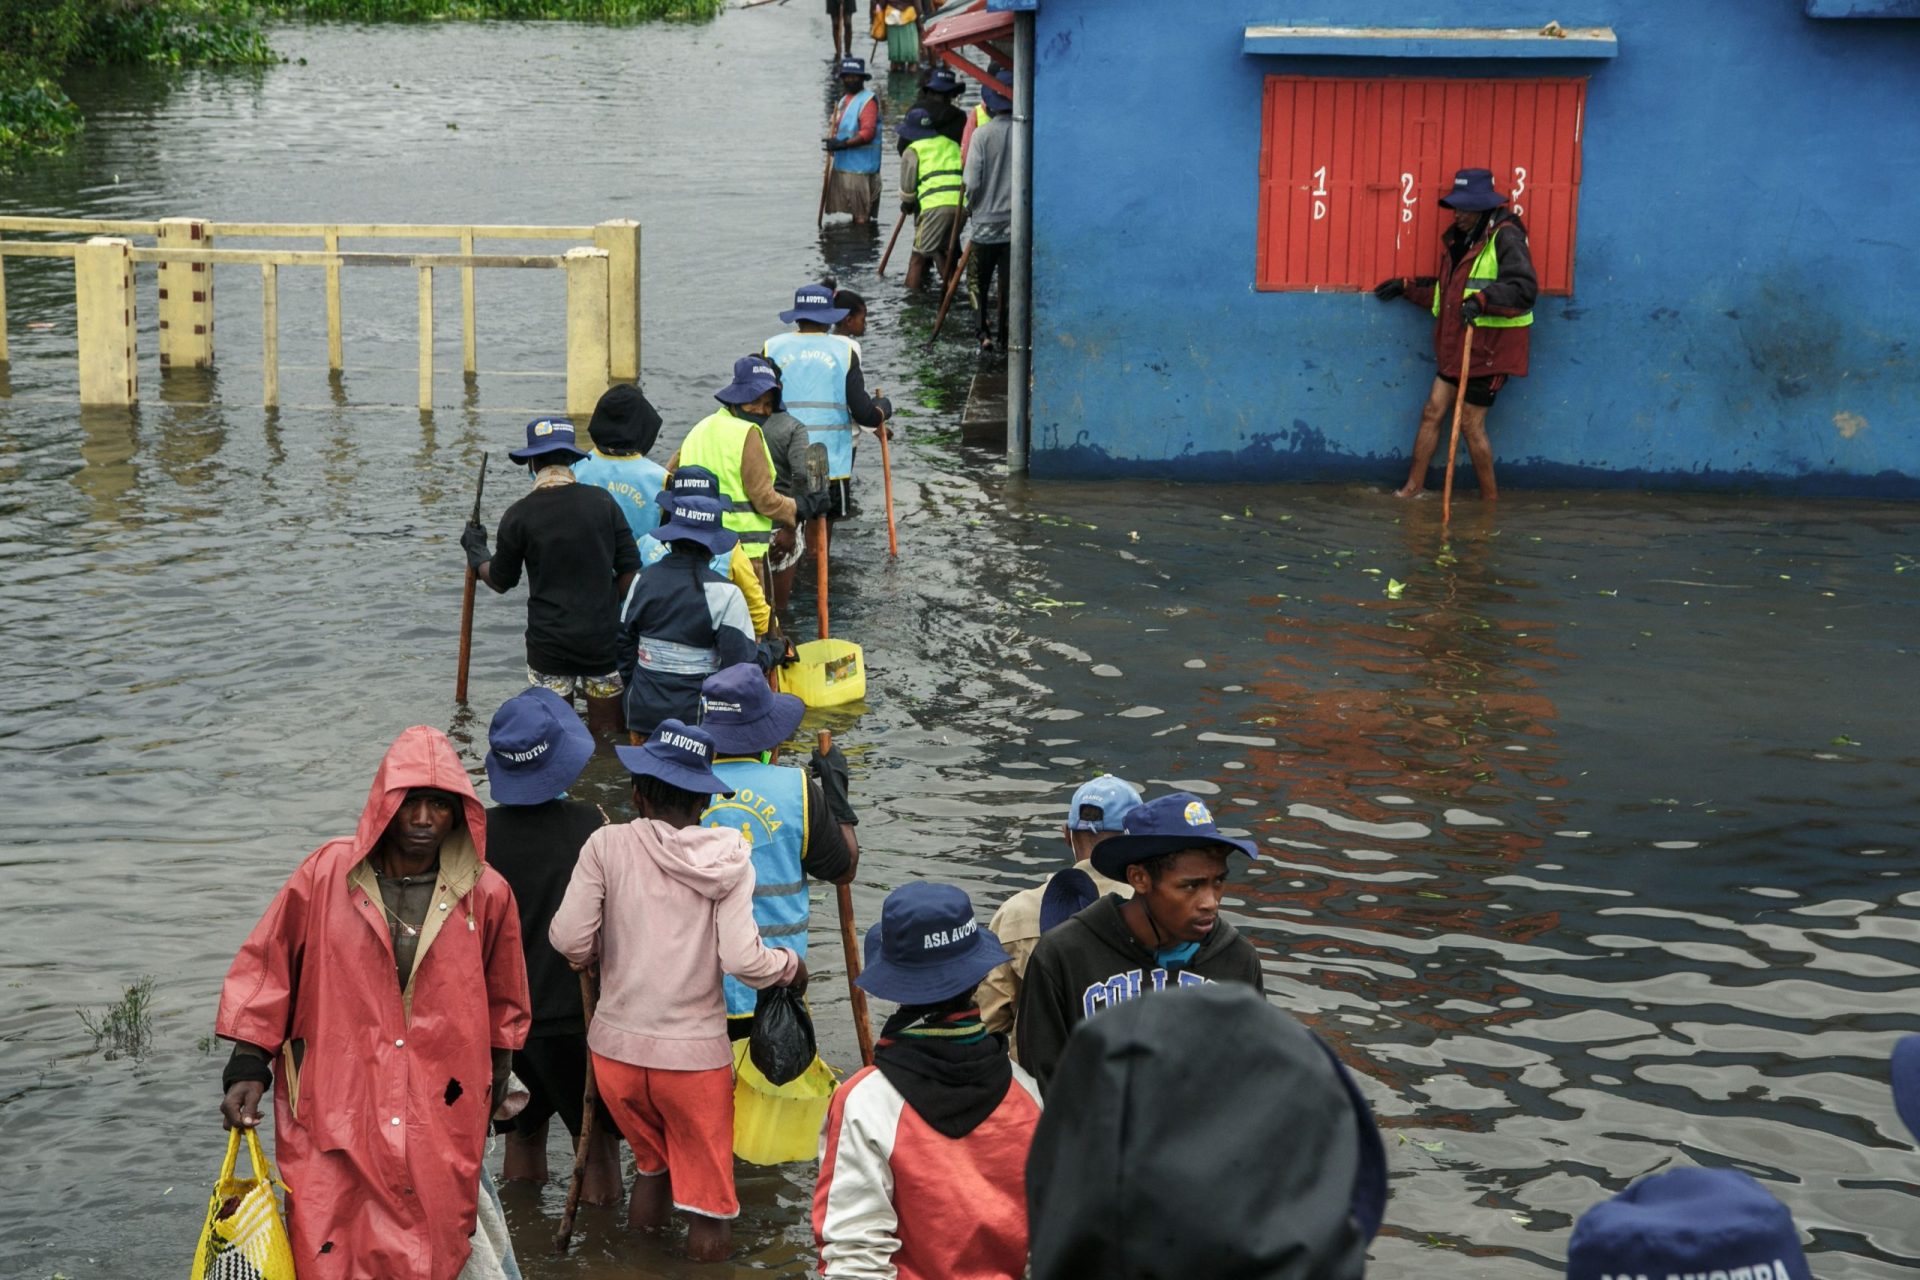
pixel 1906 1082
pixel 696 519
pixel 1688 1221
pixel 1114 797
pixel 1166 825
pixel 547 435
pixel 1473 192
pixel 852 67
pixel 814 302
pixel 680 756
pixel 742 715
pixel 942 81
pixel 536 747
pixel 916 125
pixel 927 946
pixel 753 377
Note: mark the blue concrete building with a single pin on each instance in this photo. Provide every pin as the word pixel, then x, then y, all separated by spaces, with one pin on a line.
pixel 1723 196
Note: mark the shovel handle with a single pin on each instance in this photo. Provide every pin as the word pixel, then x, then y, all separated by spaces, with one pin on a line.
pixel 850 943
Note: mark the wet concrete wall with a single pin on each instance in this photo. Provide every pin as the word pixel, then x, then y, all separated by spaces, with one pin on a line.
pixel 1745 303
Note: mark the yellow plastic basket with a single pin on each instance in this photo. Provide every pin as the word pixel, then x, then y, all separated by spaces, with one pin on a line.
pixel 778 1124
pixel 829 673
pixel 244 1237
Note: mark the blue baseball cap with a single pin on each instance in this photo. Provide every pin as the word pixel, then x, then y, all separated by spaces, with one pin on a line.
pixel 1906 1082
pixel 942 81
pixel 753 377
pixel 680 756
pixel 814 302
pixel 742 715
pixel 1113 797
pixel 547 435
pixel 927 946
pixel 1166 825
pixel 536 747
pixel 852 67
pixel 1688 1220
pixel 1473 192
pixel 917 124
pixel 696 519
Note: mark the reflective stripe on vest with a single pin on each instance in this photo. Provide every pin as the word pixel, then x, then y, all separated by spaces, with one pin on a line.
pixel 672 658
pixel 865 159
pixel 769 807
pixel 980 114
pixel 716 443
pixel 813 382
pixel 1485 271
pixel 937 183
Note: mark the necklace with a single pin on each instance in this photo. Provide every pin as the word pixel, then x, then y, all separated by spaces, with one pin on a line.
pixel 379 871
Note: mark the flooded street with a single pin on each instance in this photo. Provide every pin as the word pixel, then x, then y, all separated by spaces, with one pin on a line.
pixel 1593 848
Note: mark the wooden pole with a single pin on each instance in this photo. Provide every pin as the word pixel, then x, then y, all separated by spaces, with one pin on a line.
pixel 588 360
pixel 270 335
pixel 107 327
pixel 186 297
pixel 888 255
pixel 335 348
pixel 466 600
pixel 820 570
pixel 621 239
pixel 426 339
pixel 589 1116
pixel 947 301
pixel 886 476
pixel 469 345
pixel 850 943
pixel 826 180
pixel 953 238
pixel 1453 441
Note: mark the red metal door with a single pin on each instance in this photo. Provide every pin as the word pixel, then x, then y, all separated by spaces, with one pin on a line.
pixel 1350 169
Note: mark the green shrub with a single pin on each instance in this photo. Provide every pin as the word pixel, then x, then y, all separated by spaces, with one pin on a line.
pixel 610 11
pixel 35 117
pixel 177 33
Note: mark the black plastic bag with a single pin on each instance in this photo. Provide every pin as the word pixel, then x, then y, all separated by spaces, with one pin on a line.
pixel 782 1045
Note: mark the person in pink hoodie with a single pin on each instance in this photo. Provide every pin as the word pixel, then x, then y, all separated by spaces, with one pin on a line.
pixel 665 907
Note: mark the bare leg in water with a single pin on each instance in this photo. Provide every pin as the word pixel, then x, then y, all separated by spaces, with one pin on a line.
pixel 526 1161
pixel 1473 425
pixel 651 1203
pixel 708 1239
pixel 1433 414
pixel 606 717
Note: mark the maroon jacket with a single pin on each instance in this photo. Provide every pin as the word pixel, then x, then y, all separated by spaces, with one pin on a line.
pixel 1494 350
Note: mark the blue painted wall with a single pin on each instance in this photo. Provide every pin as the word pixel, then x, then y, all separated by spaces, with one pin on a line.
pixel 1746 310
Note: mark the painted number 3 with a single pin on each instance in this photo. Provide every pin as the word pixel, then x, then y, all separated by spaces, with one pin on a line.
pixel 1320 193
pixel 1519 187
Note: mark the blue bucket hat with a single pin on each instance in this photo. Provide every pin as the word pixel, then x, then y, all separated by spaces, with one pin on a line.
pixel 814 302
pixel 1906 1082
pixel 690 482
pixel 701 520
pixel 1113 797
pixel 1167 825
pixel 996 102
pixel 1473 192
pixel 680 756
pixel 536 747
pixel 753 377
pixel 915 125
pixel 547 435
pixel 1068 893
pixel 1688 1220
pixel 742 715
pixel 852 67
pixel 942 81
pixel 927 946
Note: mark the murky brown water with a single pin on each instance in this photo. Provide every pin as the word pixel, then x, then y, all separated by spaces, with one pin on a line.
pixel 1594 850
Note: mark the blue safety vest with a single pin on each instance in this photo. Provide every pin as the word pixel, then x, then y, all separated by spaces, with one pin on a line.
pixel 856 159
pixel 769 807
pixel 813 383
pixel 633 482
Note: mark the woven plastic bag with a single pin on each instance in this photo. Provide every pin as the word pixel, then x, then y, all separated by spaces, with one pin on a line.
pixel 245 1237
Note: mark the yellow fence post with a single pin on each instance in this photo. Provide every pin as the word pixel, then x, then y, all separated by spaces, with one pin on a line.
pixel 186 297
pixel 467 344
pixel 621 239
pixel 103 298
pixel 587 369
pixel 270 335
pixel 426 339
pixel 3 311
pixel 335 356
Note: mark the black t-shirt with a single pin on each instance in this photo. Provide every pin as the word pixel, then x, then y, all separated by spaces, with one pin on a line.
pixel 574 542
pixel 534 848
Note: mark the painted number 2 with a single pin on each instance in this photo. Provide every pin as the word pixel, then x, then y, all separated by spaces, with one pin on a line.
pixel 1407 200
pixel 1519 187
pixel 1320 193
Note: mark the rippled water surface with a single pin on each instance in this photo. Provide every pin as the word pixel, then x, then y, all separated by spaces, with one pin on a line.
pixel 1593 850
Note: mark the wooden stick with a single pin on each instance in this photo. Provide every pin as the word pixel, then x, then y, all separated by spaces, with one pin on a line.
pixel 589 1115
pixel 888 255
pixel 886 475
pixel 850 943
pixel 820 570
pixel 466 598
pixel 826 180
pixel 1453 441
pixel 947 301
pixel 953 238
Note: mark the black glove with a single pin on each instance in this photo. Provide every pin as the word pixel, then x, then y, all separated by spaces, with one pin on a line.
pixel 811 506
pixel 772 652
pixel 830 771
pixel 884 405
pixel 833 144
pixel 1388 290
pixel 909 205
pixel 473 539
pixel 1473 308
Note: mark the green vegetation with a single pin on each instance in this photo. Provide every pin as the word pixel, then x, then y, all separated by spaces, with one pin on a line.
pixel 612 11
pixel 125 1026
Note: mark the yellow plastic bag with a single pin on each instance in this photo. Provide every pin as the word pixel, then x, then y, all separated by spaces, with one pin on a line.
pixel 879 23
pixel 245 1237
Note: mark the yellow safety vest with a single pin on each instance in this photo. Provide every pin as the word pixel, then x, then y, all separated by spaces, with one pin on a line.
pixel 938 182
pixel 1484 271
pixel 716 443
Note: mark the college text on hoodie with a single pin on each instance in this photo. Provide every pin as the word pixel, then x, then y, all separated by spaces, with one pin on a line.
pixel 1093 962
pixel 381 1096
pixel 666 912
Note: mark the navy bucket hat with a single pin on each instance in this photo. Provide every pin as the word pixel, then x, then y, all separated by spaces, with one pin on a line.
pixel 1166 825
pixel 814 302
pixel 1688 1221
pixel 996 102
pixel 1473 192
pixel 927 946
pixel 547 435
pixel 753 377
pixel 942 81
pixel 916 124
pixel 852 67
pixel 536 747
pixel 691 519
pixel 742 715
pixel 688 482
pixel 680 756
pixel 1906 1082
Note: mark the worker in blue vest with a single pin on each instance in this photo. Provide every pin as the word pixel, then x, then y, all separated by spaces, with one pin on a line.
pixel 799 821
pixel 853 140
pixel 822 385
pixel 624 426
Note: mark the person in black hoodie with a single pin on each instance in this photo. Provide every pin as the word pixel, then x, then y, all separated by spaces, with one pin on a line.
pixel 1169 934
pixel 1206 1134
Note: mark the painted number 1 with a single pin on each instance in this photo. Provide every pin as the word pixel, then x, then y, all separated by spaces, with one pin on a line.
pixel 1320 193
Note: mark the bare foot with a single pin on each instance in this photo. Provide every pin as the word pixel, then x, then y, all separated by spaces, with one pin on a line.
pixel 1410 492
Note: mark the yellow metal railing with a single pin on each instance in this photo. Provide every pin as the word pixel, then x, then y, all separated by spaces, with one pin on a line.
pixel 603 292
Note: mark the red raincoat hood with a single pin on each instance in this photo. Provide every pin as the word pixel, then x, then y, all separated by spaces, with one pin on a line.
pixel 419 757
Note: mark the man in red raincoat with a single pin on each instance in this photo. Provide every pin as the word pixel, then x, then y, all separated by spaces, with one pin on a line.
pixel 382 994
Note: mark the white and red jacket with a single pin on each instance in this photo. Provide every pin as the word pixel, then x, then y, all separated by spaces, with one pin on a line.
pixel 897 1200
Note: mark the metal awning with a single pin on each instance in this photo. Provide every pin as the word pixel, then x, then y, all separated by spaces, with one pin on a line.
pixel 974 28
pixel 1549 41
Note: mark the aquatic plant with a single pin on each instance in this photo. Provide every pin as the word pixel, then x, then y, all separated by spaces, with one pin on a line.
pixel 126 1026
pixel 178 33
pixel 605 11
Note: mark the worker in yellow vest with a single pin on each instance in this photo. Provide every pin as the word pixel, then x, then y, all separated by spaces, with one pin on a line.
pixel 930 187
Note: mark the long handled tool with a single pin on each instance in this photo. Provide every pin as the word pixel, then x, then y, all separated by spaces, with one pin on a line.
pixel 850 942
pixel 1453 441
pixel 886 476
pixel 953 238
pixel 826 181
pixel 888 255
pixel 466 599
pixel 589 1115
pixel 947 301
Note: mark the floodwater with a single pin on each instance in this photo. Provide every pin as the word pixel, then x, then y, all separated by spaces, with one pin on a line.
pixel 1593 850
